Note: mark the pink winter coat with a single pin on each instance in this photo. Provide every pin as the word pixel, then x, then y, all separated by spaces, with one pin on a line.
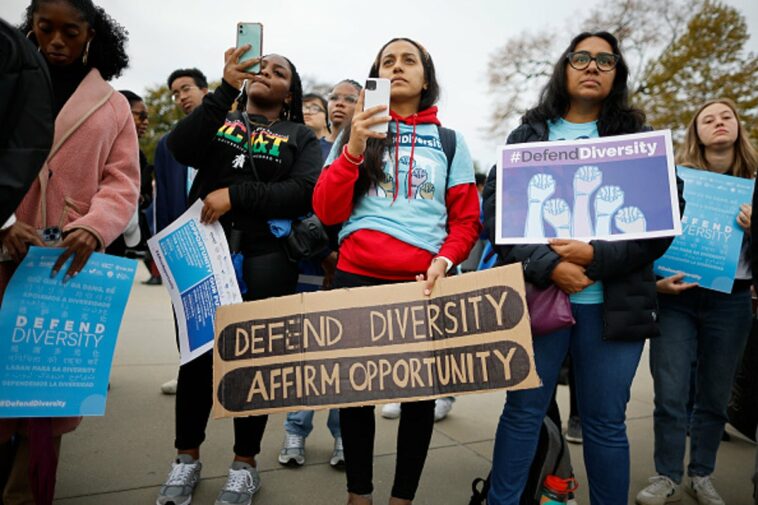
pixel 90 180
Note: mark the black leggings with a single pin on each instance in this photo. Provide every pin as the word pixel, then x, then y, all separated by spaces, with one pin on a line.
pixel 266 276
pixel 358 427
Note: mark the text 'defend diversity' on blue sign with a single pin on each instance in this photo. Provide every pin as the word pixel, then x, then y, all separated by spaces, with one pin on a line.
pixel 57 340
pixel 708 250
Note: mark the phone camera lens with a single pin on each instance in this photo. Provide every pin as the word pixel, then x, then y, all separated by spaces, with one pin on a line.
pixel 371 85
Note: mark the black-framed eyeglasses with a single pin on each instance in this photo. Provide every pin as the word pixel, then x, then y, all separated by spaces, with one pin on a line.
pixel 141 115
pixel 605 62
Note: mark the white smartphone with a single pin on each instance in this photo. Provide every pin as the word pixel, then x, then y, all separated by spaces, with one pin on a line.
pixel 251 33
pixel 377 92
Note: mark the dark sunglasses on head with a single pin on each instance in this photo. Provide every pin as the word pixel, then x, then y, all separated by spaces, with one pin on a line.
pixel 605 62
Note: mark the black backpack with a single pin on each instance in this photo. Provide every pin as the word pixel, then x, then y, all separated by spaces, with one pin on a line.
pixel 552 458
pixel 26 113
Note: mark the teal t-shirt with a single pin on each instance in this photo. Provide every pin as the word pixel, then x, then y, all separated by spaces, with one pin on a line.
pixel 412 208
pixel 565 130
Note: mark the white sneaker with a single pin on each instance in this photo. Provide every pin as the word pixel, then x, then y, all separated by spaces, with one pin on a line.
pixel 391 410
pixel 243 482
pixel 181 481
pixel 661 490
pixel 701 488
pixel 338 454
pixel 293 450
pixel 169 388
pixel 442 407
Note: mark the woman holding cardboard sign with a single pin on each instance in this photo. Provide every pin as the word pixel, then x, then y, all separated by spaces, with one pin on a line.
pixel 611 287
pixel 255 164
pixel 410 207
pixel 700 327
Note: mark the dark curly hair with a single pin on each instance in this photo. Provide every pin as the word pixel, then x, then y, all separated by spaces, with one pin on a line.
pixel 616 115
pixel 107 51
pixel 372 171
pixel 292 111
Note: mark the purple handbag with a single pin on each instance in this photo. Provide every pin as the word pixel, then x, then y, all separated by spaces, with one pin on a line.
pixel 549 309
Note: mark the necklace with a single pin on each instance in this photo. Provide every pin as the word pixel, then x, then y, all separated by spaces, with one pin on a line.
pixel 258 123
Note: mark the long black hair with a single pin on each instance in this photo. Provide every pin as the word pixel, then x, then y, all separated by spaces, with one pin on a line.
pixel 616 115
pixel 107 50
pixel 372 172
pixel 290 112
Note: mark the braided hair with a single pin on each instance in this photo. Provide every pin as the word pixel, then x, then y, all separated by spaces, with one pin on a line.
pixel 290 112
pixel 107 50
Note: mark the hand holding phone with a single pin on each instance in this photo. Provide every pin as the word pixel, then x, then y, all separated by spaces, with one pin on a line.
pixel 250 34
pixel 371 122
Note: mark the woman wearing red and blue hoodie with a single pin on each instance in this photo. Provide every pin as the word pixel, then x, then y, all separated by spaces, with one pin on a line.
pixel 409 213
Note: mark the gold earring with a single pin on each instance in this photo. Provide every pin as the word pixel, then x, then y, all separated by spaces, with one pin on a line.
pixel 85 57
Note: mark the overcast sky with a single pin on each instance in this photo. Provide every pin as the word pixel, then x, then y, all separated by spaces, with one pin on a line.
pixel 333 39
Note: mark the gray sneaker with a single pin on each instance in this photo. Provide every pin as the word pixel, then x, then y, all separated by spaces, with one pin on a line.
pixel 574 430
pixel 701 488
pixel 293 450
pixel 181 481
pixel 338 454
pixel 243 482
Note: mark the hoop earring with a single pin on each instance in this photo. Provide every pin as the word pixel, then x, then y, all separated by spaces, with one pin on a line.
pixel 85 56
pixel 29 36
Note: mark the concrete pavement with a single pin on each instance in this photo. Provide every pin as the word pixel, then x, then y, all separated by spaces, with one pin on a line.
pixel 124 457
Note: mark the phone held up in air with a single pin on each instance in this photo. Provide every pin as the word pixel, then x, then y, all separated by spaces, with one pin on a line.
pixel 250 33
pixel 377 92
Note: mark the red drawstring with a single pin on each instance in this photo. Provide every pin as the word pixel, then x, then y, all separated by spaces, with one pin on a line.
pixel 410 163
pixel 397 161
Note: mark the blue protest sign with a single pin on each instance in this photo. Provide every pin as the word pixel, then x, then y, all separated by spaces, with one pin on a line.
pixel 57 340
pixel 708 250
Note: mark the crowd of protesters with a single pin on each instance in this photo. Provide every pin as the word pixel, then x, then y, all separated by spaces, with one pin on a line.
pixel 384 227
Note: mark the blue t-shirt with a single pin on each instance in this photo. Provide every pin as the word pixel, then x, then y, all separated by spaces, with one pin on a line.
pixel 565 130
pixel 418 215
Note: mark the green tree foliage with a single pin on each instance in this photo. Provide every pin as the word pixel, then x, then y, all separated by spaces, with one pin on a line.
pixel 679 54
pixel 706 61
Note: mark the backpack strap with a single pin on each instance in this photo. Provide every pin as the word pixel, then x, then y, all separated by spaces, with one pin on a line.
pixel 448 141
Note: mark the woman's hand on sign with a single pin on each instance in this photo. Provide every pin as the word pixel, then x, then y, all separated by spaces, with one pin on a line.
pixel 744 217
pixel 673 285
pixel 360 124
pixel 574 251
pixel 570 278
pixel 17 238
pixel 80 244
pixel 215 205
pixel 436 270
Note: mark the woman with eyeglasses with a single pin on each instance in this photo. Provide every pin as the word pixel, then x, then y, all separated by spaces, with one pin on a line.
pixel 701 328
pixel 83 198
pixel 611 287
pixel 255 164
pixel 341 107
pixel 315 116
pixel 410 211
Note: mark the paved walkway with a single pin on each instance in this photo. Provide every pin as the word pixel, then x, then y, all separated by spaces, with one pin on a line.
pixel 122 458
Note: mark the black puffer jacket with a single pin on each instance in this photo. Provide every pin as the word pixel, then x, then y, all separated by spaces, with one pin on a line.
pixel 625 268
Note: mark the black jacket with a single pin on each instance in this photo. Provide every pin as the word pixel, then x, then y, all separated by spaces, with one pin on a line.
pixel 26 116
pixel 287 159
pixel 625 267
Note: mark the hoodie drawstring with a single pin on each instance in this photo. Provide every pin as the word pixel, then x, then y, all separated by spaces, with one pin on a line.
pixel 397 158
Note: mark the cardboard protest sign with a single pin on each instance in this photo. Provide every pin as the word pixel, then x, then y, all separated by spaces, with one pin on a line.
pixel 196 266
pixel 612 188
pixel 57 340
pixel 369 345
pixel 708 250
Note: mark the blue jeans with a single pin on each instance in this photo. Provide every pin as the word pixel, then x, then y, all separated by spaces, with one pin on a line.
pixel 709 329
pixel 301 422
pixel 603 371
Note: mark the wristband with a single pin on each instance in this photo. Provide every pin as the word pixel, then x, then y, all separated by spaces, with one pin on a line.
pixel 350 158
